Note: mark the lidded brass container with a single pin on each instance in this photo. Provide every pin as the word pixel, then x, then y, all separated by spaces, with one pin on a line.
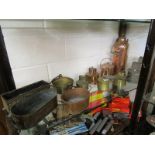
pixel 82 82
pixel 120 81
pixel 62 83
pixel 103 84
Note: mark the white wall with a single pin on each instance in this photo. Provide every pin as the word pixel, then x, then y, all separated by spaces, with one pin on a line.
pixel 40 50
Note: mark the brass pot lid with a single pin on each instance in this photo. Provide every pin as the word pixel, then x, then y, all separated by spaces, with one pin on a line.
pixel 62 80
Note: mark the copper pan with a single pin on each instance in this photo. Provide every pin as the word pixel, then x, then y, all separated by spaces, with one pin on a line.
pixel 75 100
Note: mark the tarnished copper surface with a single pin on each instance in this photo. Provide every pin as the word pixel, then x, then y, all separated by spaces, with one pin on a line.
pixel 106 67
pixel 74 101
pixel 119 50
pixel 92 75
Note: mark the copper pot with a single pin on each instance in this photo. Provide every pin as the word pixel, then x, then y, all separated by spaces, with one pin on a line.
pixel 74 101
pixel 92 75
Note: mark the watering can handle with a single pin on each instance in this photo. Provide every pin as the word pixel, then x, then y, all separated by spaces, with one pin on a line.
pixel 103 60
pixel 57 77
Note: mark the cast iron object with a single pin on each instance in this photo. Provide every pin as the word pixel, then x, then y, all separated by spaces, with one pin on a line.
pixel 94 128
pixel 107 127
pixel 31 109
pixel 75 100
pixel 97 116
pixel 53 124
pixel 102 124
pixel 62 83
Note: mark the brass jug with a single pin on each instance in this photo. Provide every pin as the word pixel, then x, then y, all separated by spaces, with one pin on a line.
pixel 120 81
pixel 103 84
pixel 82 82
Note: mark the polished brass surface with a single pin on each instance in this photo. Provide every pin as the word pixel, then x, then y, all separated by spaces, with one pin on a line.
pixel 120 81
pixel 103 84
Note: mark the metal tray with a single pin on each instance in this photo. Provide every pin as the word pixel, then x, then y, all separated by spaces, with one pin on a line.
pixel 30 109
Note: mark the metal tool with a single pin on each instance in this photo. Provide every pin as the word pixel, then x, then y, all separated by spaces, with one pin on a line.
pixel 100 127
pixel 107 127
pixel 56 123
pixel 96 116
pixel 92 131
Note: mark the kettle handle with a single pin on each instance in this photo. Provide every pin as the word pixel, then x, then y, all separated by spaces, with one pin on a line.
pixel 110 61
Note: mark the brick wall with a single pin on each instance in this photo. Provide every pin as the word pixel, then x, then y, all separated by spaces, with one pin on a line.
pixel 42 49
